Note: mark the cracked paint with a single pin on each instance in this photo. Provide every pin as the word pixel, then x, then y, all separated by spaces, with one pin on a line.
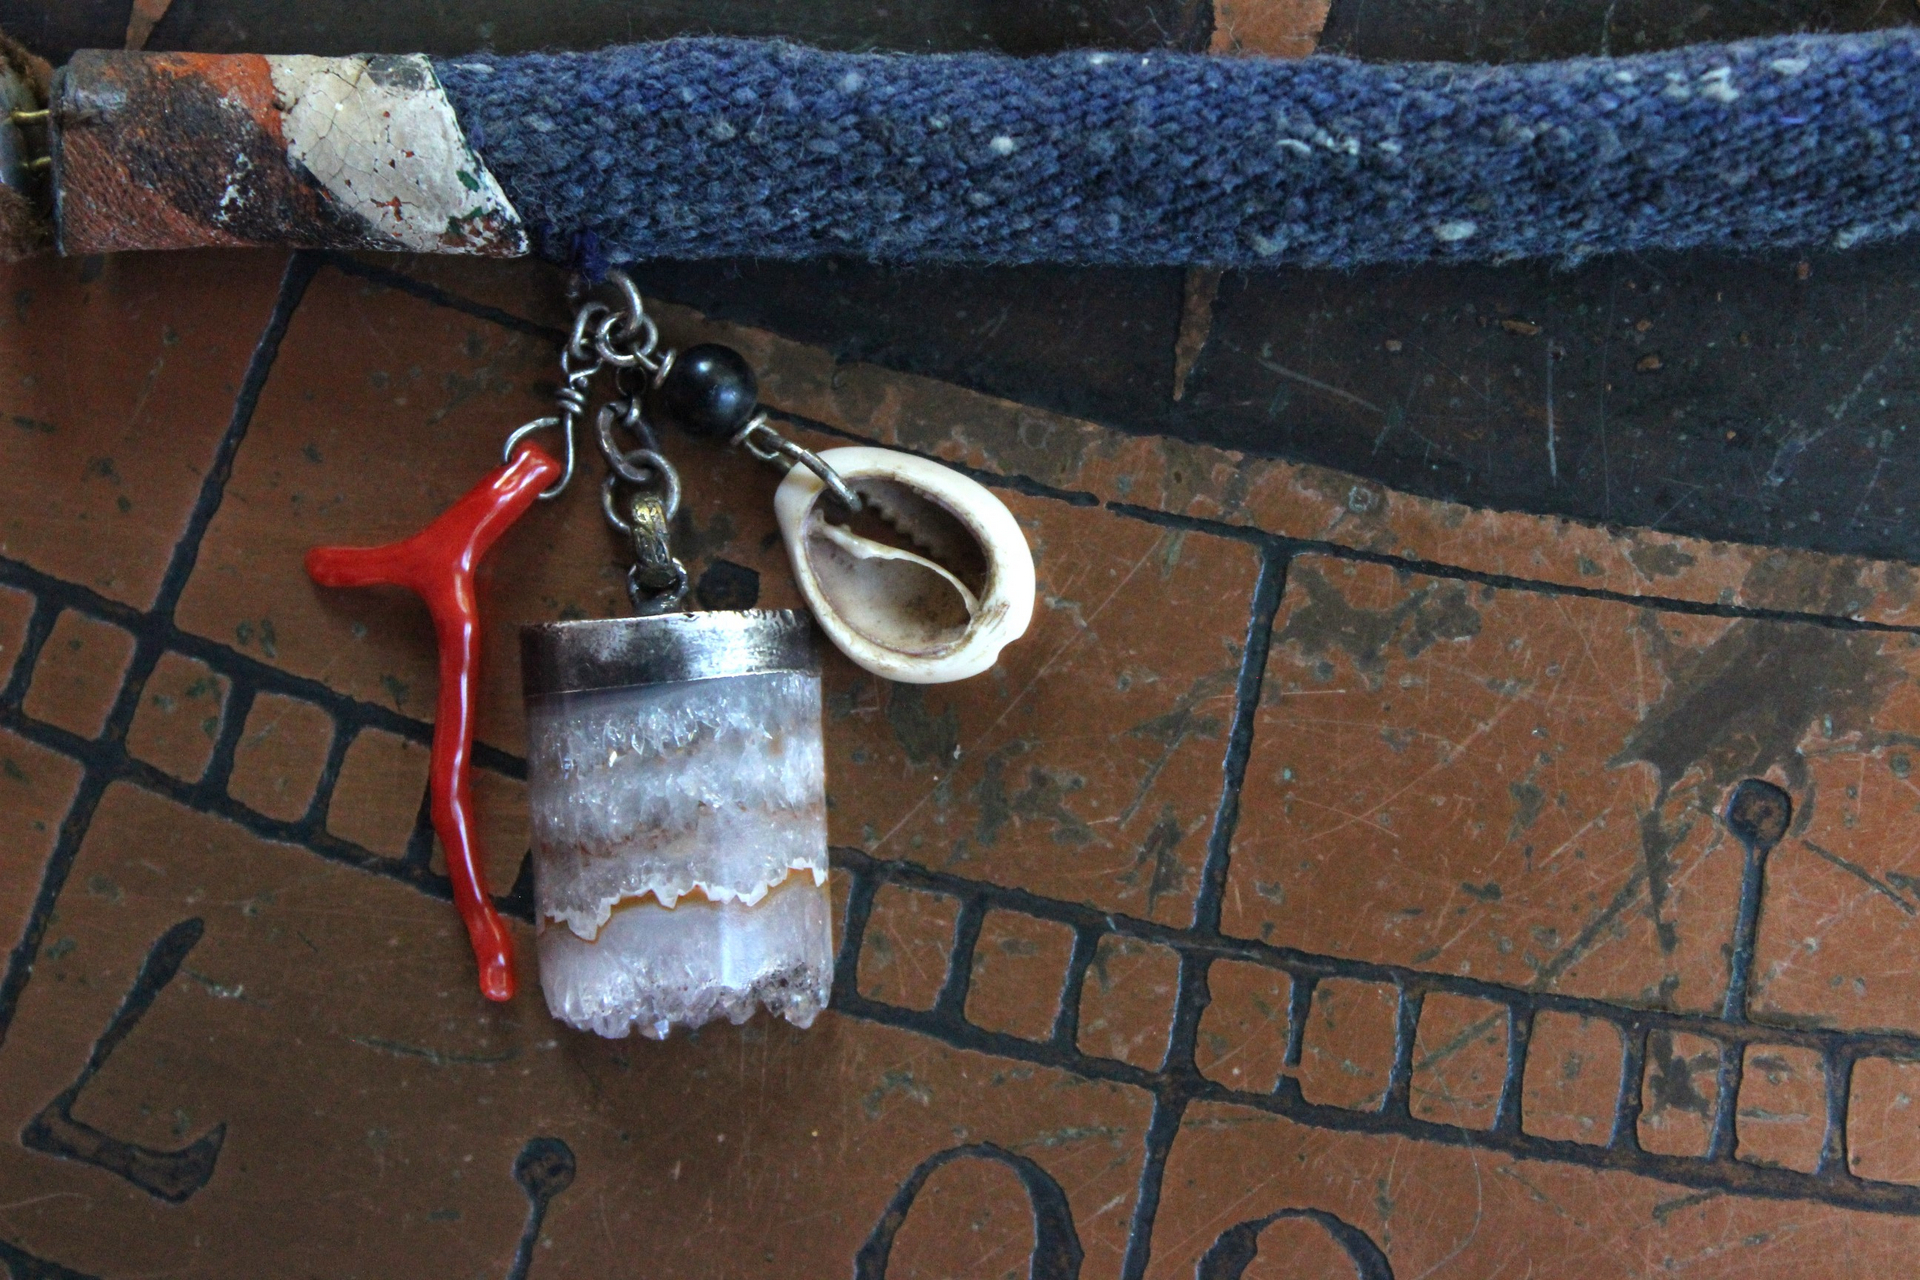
pixel 174 150
pixel 379 134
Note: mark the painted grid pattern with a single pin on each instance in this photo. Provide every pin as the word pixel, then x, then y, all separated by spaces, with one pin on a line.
pixel 545 1166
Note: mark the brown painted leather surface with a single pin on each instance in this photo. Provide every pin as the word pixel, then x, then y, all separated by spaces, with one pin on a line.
pixel 1329 878
pixel 1334 882
pixel 146 156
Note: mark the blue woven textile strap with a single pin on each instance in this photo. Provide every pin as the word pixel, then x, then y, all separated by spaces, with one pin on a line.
pixel 716 147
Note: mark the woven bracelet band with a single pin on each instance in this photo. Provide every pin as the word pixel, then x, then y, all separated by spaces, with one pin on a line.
pixel 705 148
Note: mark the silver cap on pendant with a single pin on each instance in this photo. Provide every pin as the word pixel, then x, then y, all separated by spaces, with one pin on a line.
pixel 619 653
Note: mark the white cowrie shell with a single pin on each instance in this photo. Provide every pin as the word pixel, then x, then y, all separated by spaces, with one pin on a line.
pixel 927 585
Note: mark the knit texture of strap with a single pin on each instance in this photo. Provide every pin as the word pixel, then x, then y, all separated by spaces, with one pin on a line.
pixel 717 147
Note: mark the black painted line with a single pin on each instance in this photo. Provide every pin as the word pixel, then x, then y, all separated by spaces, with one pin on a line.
pixel 1193 996
pixel 39 626
pixel 186 553
pixel 107 762
pixel 846 965
pixel 1624 1154
pixel 233 726
pixel 1746 929
pixel 1861 874
pixel 321 805
pixel 73 831
pixel 1177 1083
pixel 1627 1104
pixel 1835 1162
pixel 1300 988
pixel 149 643
pixel 544 1168
pixel 350 714
pixel 952 999
pixel 1723 1173
pixel 1307 965
pixel 1504 581
pixel 21 1265
pixel 1510 1117
pixel 419 850
pixel 432 293
pixel 1178 1067
pixel 1162 1129
pixel 172 1176
pixel 1724 1135
pixel 1066 1019
pixel 1268 587
pixel 1397 1099
pixel 518 899
pixel 1731 1176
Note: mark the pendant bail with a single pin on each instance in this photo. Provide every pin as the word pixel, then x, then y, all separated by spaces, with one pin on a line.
pixel 657 582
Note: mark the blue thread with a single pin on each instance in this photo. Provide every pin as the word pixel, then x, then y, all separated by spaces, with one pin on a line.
pixel 708 148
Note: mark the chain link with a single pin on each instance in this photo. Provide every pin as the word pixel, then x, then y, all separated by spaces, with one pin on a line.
pixel 760 439
pixel 576 375
pixel 641 493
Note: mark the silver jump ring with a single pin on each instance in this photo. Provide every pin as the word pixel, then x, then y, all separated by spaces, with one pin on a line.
pixel 646 603
pixel 627 414
pixel 541 424
pixel 666 367
pixel 630 403
pixel 579 291
pixel 744 438
pixel 634 419
pixel 636 313
pixel 603 343
pixel 782 449
pixel 584 320
pixel 638 353
pixel 647 469
pixel 663 479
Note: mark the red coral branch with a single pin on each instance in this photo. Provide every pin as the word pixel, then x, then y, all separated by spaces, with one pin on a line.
pixel 438 564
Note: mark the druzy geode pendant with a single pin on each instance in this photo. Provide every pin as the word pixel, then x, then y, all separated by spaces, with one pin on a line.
pixel 678 792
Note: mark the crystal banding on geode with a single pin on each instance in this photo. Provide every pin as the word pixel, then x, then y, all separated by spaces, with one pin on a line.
pixel 679 837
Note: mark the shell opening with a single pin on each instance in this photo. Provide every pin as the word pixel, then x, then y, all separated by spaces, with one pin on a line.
pixel 905 571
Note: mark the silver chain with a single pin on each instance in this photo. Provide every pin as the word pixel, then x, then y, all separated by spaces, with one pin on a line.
pixel 641 493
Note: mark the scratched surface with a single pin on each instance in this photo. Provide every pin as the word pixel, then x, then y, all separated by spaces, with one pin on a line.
pixel 1337 881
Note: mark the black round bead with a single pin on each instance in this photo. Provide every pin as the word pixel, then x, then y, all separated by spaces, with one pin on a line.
pixel 709 391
